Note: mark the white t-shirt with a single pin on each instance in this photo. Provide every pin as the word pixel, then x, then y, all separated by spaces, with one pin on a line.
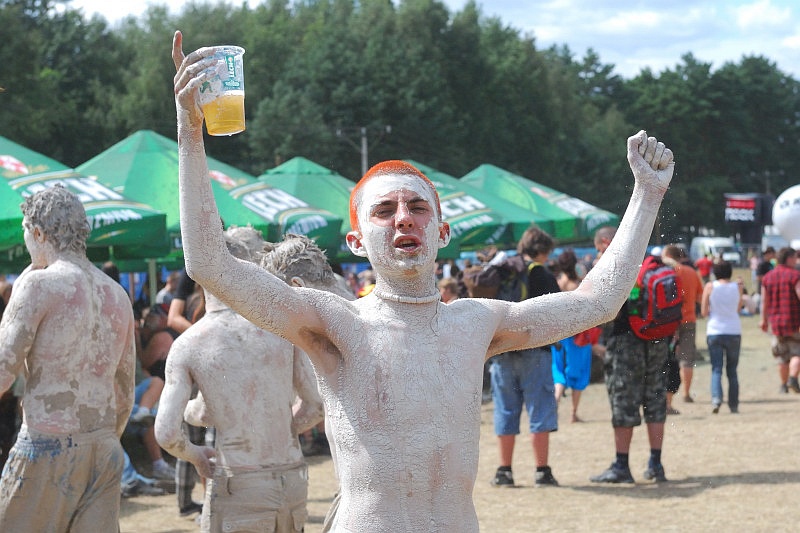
pixel 723 317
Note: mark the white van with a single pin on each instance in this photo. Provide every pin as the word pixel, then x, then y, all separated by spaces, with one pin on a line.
pixel 715 246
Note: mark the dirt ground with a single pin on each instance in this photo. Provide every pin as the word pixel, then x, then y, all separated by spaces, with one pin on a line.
pixel 727 472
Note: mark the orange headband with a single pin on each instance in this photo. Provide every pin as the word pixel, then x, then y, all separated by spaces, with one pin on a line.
pixel 383 169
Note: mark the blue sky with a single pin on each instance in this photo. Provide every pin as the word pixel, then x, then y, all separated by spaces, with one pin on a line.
pixel 630 34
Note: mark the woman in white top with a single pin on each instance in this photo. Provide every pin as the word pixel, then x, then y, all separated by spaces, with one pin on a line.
pixel 722 299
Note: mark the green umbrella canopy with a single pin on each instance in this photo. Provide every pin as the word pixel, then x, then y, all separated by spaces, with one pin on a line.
pixel 318 186
pixel 573 219
pixel 478 218
pixel 131 229
pixel 117 223
pixel 145 167
pixel 17 160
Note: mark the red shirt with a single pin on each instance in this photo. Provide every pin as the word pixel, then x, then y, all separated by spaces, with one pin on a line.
pixel 704 265
pixel 783 311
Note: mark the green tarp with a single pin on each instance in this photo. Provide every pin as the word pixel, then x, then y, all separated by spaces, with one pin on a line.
pixel 573 220
pixel 476 218
pixel 144 167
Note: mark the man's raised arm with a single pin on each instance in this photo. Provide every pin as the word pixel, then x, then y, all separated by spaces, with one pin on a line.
pixel 243 286
pixel 601 294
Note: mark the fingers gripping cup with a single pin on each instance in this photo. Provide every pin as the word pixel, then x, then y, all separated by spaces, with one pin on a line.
pixel 222 97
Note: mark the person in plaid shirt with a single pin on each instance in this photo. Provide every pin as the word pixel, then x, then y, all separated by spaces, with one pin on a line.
pixel 780 309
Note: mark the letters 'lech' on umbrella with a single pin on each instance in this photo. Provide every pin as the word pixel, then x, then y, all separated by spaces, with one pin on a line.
pixel 573 219
pixel 144 166
pixel 118 225
pixel 477 218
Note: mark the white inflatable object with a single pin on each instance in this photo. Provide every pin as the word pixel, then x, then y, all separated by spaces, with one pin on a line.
pixel 786 213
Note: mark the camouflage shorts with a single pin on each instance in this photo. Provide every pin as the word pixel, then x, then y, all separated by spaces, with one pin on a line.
pixel 785 347
pixel 635 379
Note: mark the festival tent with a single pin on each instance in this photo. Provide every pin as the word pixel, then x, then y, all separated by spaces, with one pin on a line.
pixel 573 220
pixel 318 186
pixel 477 218
pixel 144 166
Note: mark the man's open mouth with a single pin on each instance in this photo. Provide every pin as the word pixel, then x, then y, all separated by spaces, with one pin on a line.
pixel 407 244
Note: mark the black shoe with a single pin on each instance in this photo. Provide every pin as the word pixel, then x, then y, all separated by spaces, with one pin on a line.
pixel 734 410
pixel 614 474
pixel 784 389
pixel 715 410
pixel 191 509
pixel 503 478
pixel 544 478
pixel 793 385
pixel 141 488
pixel 656 473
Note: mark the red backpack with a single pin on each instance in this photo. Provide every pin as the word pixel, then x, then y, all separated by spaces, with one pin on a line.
pixel 654 306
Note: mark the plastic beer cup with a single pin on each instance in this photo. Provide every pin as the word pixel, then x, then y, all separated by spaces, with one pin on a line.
pixel 222 97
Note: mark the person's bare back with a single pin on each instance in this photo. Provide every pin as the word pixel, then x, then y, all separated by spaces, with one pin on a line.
pixel 69 331
pixel 76 319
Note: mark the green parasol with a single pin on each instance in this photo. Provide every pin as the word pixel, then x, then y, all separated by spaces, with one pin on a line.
pixel 121 228
pixel 17 160
pixel 477 218
pixel 573 220
pixel 144 166
pixel 318 186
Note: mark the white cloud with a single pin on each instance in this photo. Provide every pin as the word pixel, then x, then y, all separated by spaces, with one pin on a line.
pixel 761 15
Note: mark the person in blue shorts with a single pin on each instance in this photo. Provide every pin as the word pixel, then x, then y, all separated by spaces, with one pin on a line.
pixel 525 377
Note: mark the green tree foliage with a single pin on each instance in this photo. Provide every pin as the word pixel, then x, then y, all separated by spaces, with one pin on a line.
pixel 458 90
pixel 59 72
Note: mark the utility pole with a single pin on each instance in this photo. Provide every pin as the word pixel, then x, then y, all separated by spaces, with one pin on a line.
pixel 363 146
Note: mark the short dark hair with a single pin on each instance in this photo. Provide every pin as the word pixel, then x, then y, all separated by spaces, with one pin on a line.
pixel 722 270
pixel 784 254
pixel 534 242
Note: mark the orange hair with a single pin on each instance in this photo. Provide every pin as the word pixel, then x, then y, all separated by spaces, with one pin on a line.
pixel 383 169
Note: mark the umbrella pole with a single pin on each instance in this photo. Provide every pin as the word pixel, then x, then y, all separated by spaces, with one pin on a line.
pixel 152 280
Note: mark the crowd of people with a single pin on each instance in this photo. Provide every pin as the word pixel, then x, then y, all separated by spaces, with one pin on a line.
pixel 257 343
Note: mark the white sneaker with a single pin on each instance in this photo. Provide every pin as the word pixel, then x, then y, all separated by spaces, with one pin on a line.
pixel 143 417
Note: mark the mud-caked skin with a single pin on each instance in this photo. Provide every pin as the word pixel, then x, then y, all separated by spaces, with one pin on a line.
pixel 68 331
pixel 401 373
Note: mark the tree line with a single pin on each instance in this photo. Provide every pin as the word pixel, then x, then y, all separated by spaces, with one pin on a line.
pixel 457 89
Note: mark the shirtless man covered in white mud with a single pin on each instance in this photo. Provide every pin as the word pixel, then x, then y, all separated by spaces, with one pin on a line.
pixel 401 373
pixel 247 378
pixel 70 328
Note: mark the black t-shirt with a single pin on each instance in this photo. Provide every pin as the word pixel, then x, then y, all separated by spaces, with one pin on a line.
pixel 541 281
pixel 185 287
